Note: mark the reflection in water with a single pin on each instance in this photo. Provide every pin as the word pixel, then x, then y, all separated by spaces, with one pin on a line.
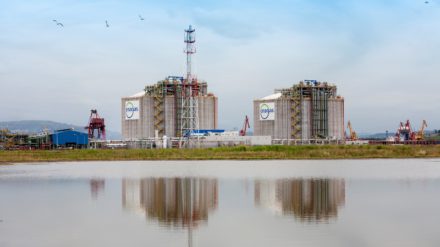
pixel 97 186
pixel 178 202
pixel 306 199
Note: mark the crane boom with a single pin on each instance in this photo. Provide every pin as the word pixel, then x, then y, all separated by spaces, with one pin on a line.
pixel 246 125
pixel 353 135
pixel 421 133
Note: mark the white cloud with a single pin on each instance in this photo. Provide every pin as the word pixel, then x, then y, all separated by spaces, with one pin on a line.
pixel 382 57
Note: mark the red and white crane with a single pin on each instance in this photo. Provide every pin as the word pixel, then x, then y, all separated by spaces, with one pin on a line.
pixel 405 132
pixel 96 123
pixel 246 125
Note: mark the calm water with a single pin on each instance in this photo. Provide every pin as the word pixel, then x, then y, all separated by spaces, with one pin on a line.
pixel 221 203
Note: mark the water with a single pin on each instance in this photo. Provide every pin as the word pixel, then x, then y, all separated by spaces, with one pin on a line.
pixel 221 203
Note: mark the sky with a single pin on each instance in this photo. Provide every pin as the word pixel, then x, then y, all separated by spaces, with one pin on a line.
pixel 382 55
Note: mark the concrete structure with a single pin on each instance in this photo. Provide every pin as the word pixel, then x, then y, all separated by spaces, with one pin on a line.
pixel 308 110
pixel 159 109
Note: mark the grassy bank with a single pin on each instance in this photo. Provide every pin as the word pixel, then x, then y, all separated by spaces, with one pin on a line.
pixel 225 153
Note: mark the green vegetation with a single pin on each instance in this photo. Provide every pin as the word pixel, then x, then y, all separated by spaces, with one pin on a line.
pixel 227 153
pixel 435 137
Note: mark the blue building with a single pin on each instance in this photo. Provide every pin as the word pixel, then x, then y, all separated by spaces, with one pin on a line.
pixel 69 138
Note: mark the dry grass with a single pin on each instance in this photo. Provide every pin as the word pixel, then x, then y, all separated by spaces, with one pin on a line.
pixel 226 153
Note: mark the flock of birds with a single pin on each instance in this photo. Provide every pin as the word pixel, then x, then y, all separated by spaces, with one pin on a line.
pixel 106 22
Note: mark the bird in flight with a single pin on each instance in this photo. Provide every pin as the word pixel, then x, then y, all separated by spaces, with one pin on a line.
pixel 106 24
pixel 141 18
pixel 58 23
pixel 426 2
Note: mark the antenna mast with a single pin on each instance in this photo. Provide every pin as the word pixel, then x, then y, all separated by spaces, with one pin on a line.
pixel 190 40
pixel 190 89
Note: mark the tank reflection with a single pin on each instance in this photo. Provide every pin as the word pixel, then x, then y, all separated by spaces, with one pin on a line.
pixel 312 200
pixel 97 187
pixel 179 202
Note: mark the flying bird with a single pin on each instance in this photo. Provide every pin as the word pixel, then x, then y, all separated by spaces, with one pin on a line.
pixel 141 18
pixel 426 2
pixel 58 23
pixel 106 24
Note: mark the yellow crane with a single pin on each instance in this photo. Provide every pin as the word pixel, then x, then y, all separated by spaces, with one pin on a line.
pixel 6 139
pixel 420 135
pixel 353 135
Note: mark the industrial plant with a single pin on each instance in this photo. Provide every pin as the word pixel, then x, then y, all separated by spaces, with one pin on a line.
pixel 58 138
pixel 164 109
pixel 308 110
pixel 179 111
pixel 174 107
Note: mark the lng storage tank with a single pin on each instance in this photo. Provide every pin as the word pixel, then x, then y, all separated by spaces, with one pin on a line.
pixel 307 110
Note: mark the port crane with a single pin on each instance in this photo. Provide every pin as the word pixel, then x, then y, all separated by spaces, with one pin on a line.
pixel 353 136
pixel 405 132
pixel 6 139
pixel 96 123
pixel 246 125
pixel 420 135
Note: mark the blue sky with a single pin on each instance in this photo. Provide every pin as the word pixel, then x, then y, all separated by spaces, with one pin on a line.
pixel 383 56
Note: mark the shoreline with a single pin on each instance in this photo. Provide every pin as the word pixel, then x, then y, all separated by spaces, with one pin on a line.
pixel 326 152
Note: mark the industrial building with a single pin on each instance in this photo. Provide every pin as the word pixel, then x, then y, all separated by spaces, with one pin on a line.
pixel 65 138
pixel 308 110
pixel 69 138
pixel 159 108
pixel 174 107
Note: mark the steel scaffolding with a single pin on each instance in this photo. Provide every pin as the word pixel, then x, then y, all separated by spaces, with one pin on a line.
pixel 319 94
pixel 185 108
pixel 296 112
pixel 159 98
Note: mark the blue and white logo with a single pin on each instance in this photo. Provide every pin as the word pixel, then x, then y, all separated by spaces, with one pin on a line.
pixel 131 110
pixel 267 111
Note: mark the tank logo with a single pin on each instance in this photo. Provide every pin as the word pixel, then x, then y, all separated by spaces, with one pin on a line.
pixel 131 110
pixel 267 111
